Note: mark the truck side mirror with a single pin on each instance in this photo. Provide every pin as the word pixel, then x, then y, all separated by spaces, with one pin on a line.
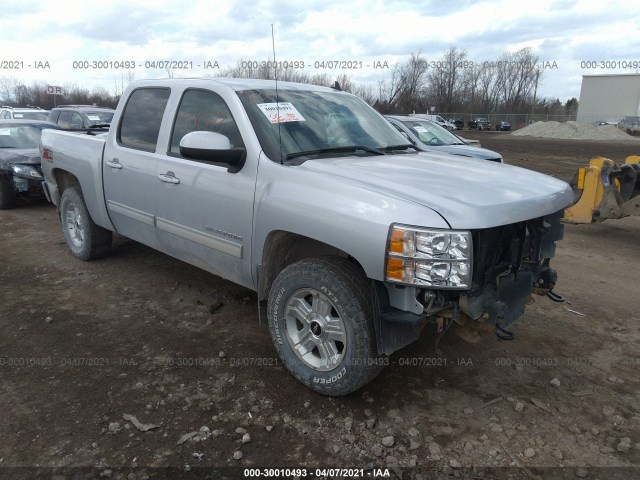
pixel 214 148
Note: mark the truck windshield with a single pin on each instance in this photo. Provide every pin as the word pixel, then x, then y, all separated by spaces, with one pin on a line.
pixel 317 124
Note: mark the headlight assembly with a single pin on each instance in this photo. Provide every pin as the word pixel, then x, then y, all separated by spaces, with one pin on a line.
pixel 25 171
pixel 428 257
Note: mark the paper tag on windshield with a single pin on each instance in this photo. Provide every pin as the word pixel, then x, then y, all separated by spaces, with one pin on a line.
pixel 281 112
pixel 5 131
pixel 93 117
pixel 420 129
pixel 18 115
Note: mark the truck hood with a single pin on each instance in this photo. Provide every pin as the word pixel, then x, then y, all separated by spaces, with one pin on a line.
pixel 467 193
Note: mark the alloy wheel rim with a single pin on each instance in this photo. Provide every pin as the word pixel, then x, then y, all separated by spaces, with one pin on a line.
pixel 74 219
pixel 315 329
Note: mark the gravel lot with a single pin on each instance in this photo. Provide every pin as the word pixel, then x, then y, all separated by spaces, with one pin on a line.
pixel 140 366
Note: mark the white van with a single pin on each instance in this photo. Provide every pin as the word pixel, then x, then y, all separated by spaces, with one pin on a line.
pixel 437 119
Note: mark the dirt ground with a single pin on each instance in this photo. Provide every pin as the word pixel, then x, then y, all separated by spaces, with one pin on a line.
pixel 142 334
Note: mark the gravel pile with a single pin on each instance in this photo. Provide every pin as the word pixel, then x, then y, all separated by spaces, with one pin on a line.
pixel 573 131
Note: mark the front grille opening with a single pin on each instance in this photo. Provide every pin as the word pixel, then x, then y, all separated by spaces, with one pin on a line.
pixel 504 248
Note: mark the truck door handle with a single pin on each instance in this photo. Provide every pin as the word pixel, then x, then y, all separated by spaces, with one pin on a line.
pixel 169 177
pixel 115 163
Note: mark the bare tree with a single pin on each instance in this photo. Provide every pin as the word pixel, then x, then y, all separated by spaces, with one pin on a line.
pixel 366 92
pixel 405 90
pixel 518 75
pixel 455 84
pixel 7 90
pixel 125 79
pixel 446 80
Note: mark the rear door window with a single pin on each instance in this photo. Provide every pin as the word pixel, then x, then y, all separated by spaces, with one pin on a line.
pixel 142 118
pixel 76 120
pixel 53 116
pixel 65 119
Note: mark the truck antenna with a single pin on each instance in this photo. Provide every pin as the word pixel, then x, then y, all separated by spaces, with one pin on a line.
pixel 275 70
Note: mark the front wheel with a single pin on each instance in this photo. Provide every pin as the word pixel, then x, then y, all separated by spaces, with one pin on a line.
pixel 321 322
pixel 85 239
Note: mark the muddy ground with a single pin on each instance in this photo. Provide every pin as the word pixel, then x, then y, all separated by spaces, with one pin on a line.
pixel 142 334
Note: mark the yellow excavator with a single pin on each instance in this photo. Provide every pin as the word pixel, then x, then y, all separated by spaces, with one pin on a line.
pixel 605 190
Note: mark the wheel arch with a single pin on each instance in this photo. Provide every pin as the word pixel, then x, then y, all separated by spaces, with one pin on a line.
pixel 94 201
pixel 282 248
pixel 64 180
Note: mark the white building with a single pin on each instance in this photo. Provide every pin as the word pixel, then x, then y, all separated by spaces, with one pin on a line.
pixel 609 97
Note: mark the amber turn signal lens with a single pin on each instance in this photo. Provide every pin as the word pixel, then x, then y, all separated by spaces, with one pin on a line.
pixel 395 267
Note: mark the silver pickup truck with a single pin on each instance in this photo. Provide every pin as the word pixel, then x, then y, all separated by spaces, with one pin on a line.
pixel 311 198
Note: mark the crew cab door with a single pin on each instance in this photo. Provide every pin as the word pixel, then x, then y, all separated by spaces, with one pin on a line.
pixel 129 165
pixel 205 213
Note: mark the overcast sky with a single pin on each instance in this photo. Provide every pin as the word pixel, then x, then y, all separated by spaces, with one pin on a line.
pixel 567 32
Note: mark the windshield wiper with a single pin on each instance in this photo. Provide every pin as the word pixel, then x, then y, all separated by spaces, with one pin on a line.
pixel 404 146
pixel 99 125
pixel 345 149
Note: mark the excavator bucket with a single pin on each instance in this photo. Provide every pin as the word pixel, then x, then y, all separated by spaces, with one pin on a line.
pixel 605 190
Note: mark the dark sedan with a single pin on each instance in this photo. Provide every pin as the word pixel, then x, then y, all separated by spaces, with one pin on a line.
pixel 479 123
pixel 503 126
pixel 20 174
pixel 457 122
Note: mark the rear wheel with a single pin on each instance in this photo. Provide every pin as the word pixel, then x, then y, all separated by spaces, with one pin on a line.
pixel 7 193
pixel 85 239
pixel 321 322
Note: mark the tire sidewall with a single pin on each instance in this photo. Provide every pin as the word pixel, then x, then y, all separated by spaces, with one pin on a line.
pixel 340 379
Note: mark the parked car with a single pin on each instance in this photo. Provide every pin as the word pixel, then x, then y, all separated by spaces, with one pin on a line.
pixel 23 113
pixel 431 137
pixel 20 174
pixel 503 126
pixel 437 119
pixel 479 123
pixel 310 197
pixel 630 124
pixel 602 123
pixel 457 122
pixel 81 117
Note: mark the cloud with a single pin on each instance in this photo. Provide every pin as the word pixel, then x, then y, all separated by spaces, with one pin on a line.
pixel 227 31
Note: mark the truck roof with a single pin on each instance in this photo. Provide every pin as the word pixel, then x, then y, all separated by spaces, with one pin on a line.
pixel 238 84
